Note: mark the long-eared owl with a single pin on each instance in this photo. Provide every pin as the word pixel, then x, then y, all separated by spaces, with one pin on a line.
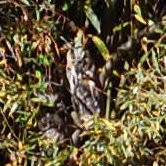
pixel 81 74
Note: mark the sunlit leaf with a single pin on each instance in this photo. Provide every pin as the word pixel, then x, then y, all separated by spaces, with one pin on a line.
pixel 108 124
pixel 140 19
pixel 138 15
pixel 13 109
pixel 150 22
pixel 143 58
pixel 137 10
pixel 36 100
pixel 125 105
pixel 79 39
pixel 120 27
pixel 126 66
pixel 26 2
pixel 159 30
pixel 46 61
pixel 154 60
pixel 101 47
pixel 67 4
pixel 38 75
pixel 93 18
pixel 2 94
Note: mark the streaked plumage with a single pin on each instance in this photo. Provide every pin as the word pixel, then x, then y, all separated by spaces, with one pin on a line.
pixel 80 72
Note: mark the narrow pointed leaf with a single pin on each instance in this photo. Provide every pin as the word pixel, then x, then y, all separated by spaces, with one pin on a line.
pixel 93 18
pixel 101 47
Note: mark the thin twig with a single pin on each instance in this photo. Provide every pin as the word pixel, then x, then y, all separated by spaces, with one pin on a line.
pixel 108 102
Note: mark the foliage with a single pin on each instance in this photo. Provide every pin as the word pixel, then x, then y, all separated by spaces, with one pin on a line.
pixel 33 84
pixel 138 136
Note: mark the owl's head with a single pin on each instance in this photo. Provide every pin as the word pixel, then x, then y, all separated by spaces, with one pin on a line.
pixel 75 57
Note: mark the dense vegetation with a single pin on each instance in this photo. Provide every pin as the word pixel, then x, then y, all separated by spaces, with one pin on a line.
pixel 126 41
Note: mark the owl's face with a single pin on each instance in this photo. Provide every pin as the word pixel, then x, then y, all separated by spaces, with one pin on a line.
pixel 74 67
pixel 75 60
pixel 75 56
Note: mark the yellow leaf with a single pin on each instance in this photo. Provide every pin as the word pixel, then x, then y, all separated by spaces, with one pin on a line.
pixel 108 124
pixel 137 9
pixel 140 19
pixel 100 46
pixel 90 14
pixel 79 40
pixel 20 146
pixel 3 63
pixel 2 94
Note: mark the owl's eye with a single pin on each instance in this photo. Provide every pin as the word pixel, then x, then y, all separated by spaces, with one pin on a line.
pixel 68 69
pixel 79 62
pixel 70 55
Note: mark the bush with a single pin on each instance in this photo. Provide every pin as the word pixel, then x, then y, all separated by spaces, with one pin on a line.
pixel 39 122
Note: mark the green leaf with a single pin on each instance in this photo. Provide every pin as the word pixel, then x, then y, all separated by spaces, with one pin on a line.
pixel 66 5
pixel 37 100
pixel 159 30
pixel 78 40
pixel 155 61
pixel 26 2
pixel 120 26
pixel 143 58
pixel 37 18
pixel 92 17
pixel 44 59
pixel 39 76
pixel 126 66
pixel 46 62
pixel 137 10
pixel 125 105
pixel 41 57
pixel 13 109
pixel 138 15
pixel 150 22
pixel 101 47
pixel 140 19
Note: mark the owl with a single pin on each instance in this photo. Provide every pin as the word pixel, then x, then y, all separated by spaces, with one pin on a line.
pixel 81 75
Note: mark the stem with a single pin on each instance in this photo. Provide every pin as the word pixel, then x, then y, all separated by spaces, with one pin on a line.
pixel 7 123
pixel 108 102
